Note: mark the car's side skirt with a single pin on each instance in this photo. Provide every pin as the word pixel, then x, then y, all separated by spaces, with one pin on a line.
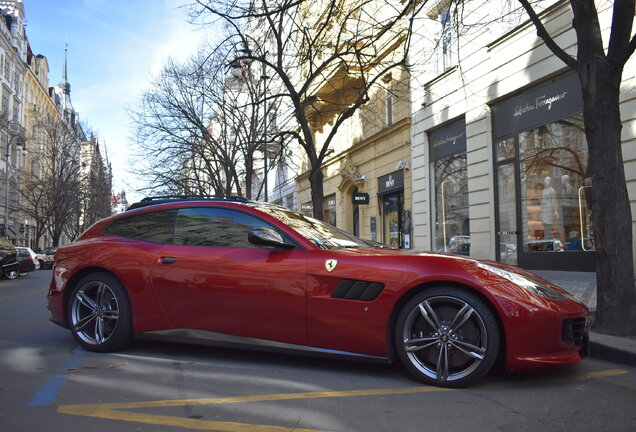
pixel 202 337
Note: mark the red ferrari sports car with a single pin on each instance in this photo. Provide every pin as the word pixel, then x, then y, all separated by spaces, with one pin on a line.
pixel 240 273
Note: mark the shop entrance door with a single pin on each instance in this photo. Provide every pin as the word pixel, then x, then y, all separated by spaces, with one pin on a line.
pixel 508 233
pixel 392 215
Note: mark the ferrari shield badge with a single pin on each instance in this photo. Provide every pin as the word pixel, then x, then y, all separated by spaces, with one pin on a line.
pixel 331 264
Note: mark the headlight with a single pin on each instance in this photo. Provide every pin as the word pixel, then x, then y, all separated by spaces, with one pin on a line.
pixel 530 285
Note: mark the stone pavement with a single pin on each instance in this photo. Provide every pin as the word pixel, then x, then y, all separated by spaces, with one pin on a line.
pixel 582 285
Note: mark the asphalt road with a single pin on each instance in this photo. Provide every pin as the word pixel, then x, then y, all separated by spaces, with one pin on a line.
pixel 47 383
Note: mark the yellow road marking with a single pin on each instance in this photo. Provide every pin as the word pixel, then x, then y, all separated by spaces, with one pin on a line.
pixel 113 411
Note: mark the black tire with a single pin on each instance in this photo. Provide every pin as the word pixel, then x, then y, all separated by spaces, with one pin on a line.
pixel 446 336
pixel 99 313
pixel 11 274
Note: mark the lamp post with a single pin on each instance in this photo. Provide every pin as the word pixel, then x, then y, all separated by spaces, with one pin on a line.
pixel 264 77
pixel 19 148
pixel 238 69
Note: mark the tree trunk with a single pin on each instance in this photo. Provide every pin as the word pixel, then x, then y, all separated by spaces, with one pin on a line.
pixel 315 182
pixel 611 211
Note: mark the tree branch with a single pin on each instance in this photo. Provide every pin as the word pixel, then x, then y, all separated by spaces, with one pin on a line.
pixel 547 39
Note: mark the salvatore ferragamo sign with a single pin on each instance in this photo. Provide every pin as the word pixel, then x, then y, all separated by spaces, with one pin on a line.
pixel 545 103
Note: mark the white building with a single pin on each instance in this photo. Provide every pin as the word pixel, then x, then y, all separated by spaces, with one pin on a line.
pixel 13 48
pixel 498 148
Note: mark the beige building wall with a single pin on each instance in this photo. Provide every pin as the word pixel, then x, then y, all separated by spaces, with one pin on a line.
pixel 38 103
pixel 373 143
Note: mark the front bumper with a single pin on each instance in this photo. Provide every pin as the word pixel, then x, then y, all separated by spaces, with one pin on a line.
pixel 541 332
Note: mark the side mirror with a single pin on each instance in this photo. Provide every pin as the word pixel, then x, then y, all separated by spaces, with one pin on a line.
pixel 268 237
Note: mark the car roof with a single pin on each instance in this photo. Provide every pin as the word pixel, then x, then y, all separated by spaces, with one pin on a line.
pixel 148 201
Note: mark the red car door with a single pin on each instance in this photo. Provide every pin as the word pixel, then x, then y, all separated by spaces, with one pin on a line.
pixel 213 279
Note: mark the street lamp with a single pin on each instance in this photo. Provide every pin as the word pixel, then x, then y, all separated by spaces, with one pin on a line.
pixel 238 68
pixel 19 148
pixel 264 77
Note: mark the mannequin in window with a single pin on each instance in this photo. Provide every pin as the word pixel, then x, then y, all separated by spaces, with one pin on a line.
pixel 569 205
pixel 549 214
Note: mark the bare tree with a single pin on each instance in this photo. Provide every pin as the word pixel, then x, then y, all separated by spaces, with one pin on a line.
pixel 200 126
pixel 323 57
pixel 51 190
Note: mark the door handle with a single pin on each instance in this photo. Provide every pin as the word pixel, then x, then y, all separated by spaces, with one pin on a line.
pixel 168 260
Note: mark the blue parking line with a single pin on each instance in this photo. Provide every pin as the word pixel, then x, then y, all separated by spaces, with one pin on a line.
pixel 49 390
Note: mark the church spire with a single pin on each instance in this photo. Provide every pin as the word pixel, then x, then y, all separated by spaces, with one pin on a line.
pixel 64 84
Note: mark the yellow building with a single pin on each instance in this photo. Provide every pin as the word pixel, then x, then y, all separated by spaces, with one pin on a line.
pixel 38 104
pixel 367 180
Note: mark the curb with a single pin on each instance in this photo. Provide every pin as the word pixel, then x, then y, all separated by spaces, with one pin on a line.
pixel 612 348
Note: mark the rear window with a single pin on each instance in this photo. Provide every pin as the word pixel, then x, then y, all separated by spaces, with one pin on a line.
pixel 155 227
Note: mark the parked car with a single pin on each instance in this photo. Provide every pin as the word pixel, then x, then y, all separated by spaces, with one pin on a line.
pixel 46 257
pixel 241 273
pixel 551 245
pixel 459 244
pixel 28 259
pixel 8 259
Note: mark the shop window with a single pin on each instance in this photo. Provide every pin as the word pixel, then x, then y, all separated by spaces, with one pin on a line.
pixel 555 212
pixel 452 226
pixel 329 209
pixel 391 214
pixel 447 145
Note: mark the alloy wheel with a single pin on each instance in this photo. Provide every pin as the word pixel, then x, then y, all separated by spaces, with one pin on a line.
pixel 447 337
pixel 94 313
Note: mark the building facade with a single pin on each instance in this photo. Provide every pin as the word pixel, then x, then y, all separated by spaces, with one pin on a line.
pixel 499 153
pixel 42 201
pixel 366 173
pixel 367 181
pixel 13 48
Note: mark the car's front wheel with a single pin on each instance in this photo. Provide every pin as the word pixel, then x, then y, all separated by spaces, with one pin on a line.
pixel 447 336
pixel 99 313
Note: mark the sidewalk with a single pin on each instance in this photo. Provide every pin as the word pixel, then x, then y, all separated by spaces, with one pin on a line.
pixel 582 285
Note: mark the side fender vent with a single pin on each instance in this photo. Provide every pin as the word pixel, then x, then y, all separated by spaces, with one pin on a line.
pixel 357 290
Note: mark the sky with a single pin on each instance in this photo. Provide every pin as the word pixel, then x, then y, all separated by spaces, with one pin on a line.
pixel 115 47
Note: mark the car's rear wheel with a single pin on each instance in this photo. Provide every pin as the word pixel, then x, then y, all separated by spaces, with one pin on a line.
pixel 99 313
pixel 11 274
pixel 447 336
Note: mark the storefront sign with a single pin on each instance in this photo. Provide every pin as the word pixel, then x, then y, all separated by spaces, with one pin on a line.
pixel 360 198
pixel 556 99
pixel 307 208
pixel 391 182
pixel 447 140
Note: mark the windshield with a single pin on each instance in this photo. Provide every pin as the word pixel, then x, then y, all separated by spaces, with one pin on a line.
pixel 322 234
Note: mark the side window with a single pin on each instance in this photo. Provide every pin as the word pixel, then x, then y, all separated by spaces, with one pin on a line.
pixel 155 227
pixel 216 227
